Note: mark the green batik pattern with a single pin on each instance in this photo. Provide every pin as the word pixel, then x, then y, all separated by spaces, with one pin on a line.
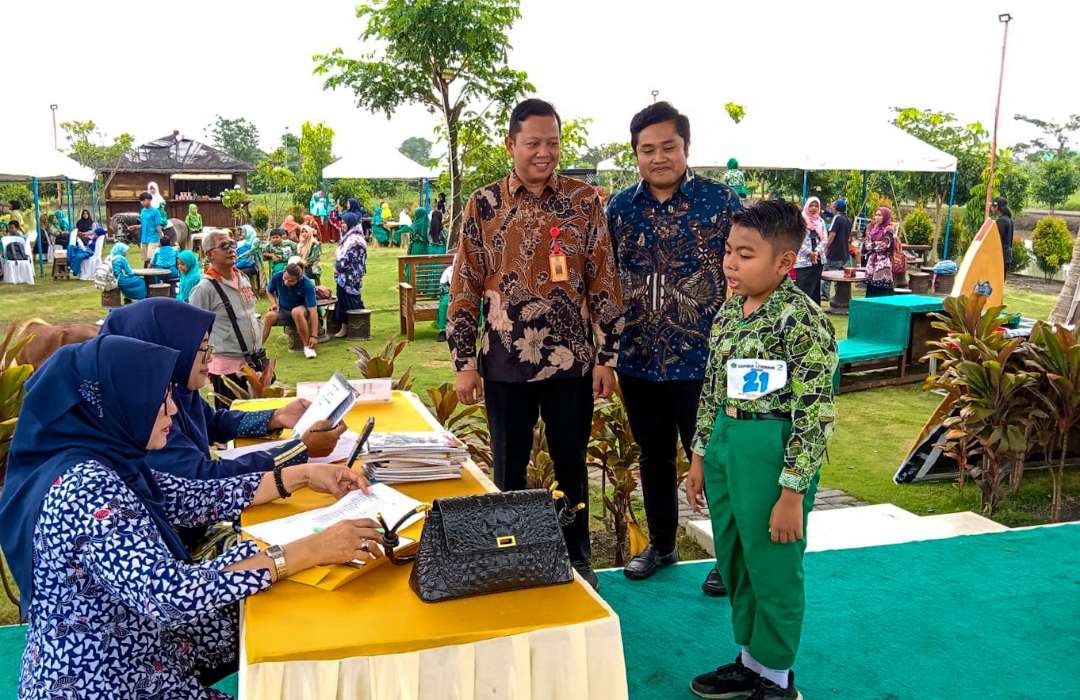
pixel 789 326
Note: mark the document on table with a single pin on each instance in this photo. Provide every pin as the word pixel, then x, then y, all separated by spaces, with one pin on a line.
pixel 342 450
pixel 367 390
pixel 333 401
pixel 354 505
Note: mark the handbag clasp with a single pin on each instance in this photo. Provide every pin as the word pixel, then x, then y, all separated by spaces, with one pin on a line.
pixel 504 541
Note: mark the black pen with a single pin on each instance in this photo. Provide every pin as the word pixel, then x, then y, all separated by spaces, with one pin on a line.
pixel 361 442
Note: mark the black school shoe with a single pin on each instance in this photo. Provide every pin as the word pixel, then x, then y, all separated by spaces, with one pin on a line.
pixel 646 563
pixel 767 690
pixel 714 585
pixel 585 569
pixel 731 681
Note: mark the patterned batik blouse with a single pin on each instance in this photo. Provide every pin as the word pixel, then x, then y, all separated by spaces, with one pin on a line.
pixel 789 326
pixel 534 328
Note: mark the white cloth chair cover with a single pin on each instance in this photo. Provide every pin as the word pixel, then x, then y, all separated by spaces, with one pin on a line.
pixel 90 265
pixel 16 270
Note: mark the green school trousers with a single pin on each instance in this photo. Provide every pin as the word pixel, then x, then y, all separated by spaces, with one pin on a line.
pixel 743 461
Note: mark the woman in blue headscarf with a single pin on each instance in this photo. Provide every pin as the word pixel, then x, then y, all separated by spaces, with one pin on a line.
pixel 190 273
pixel 114 606
pixel 131 285
pixel 418 235
pixel 378 231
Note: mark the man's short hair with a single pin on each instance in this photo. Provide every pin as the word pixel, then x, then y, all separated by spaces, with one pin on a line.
pixel 293 270
pixel 278 231
pixel 777 220
pixel 145 195
pixel 531 107
pixel 658 113
pixel 213 239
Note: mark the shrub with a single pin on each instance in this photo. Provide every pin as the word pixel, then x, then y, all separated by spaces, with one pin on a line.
pixel 16 191
pixel 959 236
pixel 918 228
pixel 1021 258
pixel 297 211
pixel 1052 244
pixel 260 217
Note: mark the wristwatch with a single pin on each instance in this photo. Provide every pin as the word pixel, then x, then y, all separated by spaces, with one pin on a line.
pixel 277 555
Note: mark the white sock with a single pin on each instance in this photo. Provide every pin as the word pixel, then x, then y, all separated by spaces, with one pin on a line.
pixel 777 676
pixel 749 661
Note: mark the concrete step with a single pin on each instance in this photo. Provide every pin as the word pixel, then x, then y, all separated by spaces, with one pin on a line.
pixel 870 526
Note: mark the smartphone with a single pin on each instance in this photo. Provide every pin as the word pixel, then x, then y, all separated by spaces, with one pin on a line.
pixel 361 442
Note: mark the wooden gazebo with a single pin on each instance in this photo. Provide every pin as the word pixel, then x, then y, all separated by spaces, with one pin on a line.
pixel 185 171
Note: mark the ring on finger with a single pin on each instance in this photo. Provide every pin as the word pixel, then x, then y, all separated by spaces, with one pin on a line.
pixel 364 546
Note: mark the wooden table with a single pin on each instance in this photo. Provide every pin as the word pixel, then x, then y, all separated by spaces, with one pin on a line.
pixel 841 298
pixel 149 274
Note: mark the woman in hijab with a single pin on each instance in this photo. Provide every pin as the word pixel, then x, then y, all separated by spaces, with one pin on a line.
pixel 85 225
pixel 355 207
pixel 1000 209
pixel 378 231
pixel 418 236
pixel 131 285
pixel 290 226
pixel 879 246
pixel 158 202
pixel 350 265
pixel 114 605
pixel 809 261
pixel 193 219
pixel 311 254
pixel 190 274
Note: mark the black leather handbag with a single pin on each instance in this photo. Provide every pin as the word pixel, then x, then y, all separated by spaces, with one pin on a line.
pixel 472 545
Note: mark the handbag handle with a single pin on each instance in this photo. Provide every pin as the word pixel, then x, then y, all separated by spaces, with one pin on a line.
pixel 391 539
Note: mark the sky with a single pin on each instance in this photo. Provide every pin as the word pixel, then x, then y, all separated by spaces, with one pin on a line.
pixel 147 74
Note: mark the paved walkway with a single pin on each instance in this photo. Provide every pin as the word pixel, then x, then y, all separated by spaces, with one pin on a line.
pixel 826 499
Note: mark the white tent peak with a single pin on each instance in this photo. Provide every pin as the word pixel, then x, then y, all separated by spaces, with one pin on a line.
pixel 374 162
pixel 22 161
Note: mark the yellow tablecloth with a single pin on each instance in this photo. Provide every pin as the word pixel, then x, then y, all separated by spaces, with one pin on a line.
pixel 374 638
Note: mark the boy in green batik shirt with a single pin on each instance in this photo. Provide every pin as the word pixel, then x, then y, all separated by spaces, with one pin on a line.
pixel 765 416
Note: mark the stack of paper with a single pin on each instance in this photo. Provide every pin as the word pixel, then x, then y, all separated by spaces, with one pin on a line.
pixel 403 457
pixel 367 390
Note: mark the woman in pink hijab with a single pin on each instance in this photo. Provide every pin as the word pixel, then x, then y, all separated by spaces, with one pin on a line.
pixel 810 260
pixel 879 259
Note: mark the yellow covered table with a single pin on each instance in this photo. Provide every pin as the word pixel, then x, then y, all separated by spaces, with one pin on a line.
pixel 372 637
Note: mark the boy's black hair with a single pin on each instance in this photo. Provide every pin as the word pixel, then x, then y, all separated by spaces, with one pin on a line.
pixel 15 204
pixel 658 113
pixel 777 220
pixel 146 195
pixel 294 270
pixel 168 238
pixel 531 107
pixel 278 231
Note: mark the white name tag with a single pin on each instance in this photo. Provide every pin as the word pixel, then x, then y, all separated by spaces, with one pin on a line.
pixel 752 379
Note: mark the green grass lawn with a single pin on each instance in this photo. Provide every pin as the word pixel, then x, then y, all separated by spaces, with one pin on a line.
pixel 875 428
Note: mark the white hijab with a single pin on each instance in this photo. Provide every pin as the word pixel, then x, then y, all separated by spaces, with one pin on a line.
pixel 157 200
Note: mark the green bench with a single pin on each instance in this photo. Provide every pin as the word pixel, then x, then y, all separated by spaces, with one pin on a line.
pixel 880 335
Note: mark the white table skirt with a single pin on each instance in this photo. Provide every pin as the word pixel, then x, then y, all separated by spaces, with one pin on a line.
pixel 574 662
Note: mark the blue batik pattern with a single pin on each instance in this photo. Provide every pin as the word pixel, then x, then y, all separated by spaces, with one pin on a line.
pixel 114 614
pixel 671 265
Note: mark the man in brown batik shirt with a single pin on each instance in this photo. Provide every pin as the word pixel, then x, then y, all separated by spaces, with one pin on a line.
pixel 535 257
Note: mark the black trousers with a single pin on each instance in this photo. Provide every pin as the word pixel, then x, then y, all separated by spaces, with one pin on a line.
pixel 808 279
pixel 566 407
pixel 658 412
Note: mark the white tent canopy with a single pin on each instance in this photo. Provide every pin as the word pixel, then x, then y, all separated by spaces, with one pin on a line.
pixel 799 144
pixel 375 163
pixel 21 162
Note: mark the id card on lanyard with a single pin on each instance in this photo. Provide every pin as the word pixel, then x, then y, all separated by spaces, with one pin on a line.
pixel 556 260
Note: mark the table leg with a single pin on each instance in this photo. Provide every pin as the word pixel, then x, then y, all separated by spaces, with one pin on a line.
pixel 841 298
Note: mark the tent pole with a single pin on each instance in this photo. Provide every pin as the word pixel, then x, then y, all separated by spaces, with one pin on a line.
pixel 948 216
pixel 862 205
pixel 93 198
pixel 70 202
pixel 805 178
pixel 37 226
pixel 427 193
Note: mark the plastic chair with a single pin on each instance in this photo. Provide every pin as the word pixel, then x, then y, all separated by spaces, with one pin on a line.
pixel 18 269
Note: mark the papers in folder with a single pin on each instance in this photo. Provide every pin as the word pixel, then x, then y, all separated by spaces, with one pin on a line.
pixel 404 457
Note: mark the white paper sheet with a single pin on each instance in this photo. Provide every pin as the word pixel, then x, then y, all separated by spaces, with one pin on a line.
pixel 367 390
pixel 341 452
pixel 354 505
pixel 333 401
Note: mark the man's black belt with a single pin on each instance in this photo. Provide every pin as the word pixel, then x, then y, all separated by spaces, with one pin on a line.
pixel 739 414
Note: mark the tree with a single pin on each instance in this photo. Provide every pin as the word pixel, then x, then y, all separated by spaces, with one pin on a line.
pixel 1052 244
pixel 416 149
pixel 446 55
pixel 735 111
pixel 237 137
pixel 1055 181
pixel 86 145
pixel 316 152
pixel 968 143
pixel 1010 181
pixel 1058 132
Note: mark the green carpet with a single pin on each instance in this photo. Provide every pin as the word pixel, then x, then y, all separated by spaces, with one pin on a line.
pixel 988 617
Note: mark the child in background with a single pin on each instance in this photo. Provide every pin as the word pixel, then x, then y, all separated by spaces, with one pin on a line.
pixel 765 416
pixel 165 257
pixel 149 227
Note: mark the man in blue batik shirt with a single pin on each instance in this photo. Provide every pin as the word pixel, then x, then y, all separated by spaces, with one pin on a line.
pixel 669 233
